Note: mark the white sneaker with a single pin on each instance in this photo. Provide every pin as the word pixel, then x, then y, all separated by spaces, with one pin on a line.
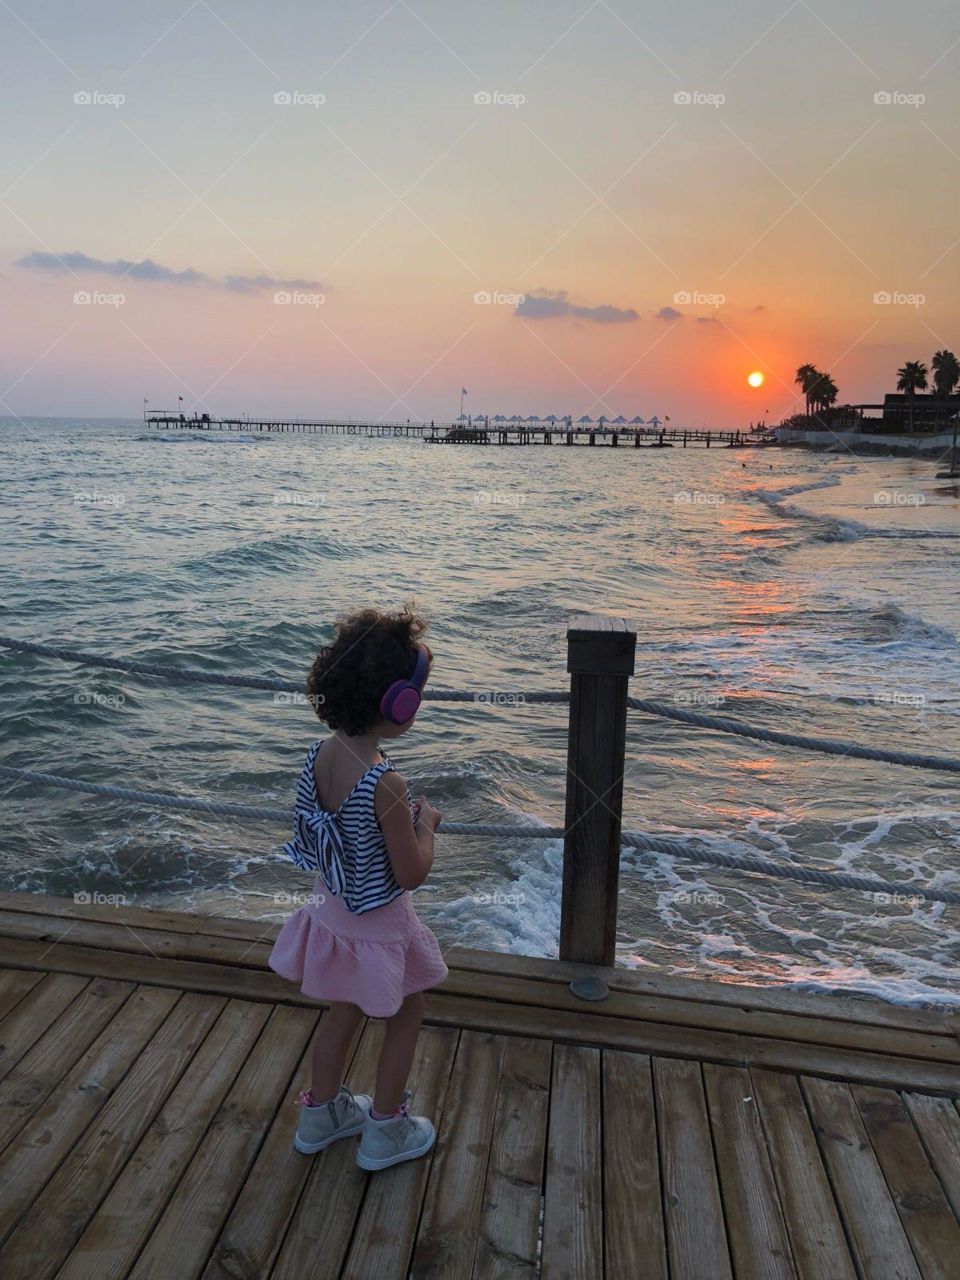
pixel 400 1137
pixel 342 1117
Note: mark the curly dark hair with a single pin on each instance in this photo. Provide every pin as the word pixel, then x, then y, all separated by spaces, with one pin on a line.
pixel 370 650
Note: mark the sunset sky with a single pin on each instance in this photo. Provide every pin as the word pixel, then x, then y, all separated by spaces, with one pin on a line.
pixel 782 188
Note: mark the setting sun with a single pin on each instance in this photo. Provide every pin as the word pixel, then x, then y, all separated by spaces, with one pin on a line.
pixel 755 379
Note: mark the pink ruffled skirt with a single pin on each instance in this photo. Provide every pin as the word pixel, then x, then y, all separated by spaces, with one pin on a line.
pixel 372 960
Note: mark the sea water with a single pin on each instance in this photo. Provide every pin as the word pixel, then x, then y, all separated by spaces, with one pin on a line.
pixel 805 591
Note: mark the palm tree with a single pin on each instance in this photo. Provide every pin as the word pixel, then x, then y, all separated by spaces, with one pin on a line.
pixel 946 372
pixel 825 392
pixel 911 379
pixel 807 375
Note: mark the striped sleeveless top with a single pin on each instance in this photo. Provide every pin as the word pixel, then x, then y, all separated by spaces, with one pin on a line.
pixel 345 848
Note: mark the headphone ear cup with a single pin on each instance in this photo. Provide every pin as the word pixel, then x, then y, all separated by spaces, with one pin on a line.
pixel 405 705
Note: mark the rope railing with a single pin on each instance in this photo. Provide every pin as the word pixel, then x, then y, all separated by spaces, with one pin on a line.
pixel 719 724
pixel 639 840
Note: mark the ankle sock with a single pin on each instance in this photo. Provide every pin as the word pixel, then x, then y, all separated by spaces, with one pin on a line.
pixel 307 1099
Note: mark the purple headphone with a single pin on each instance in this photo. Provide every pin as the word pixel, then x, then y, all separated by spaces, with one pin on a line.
pixel 402 700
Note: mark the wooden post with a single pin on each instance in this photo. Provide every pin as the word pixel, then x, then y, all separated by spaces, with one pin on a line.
pixel 600 658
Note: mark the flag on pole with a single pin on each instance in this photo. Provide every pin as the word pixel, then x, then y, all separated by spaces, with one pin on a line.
pixel 180 398
pixel 666 419
pixel 464 391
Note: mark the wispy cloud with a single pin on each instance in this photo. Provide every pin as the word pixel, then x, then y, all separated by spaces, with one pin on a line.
pixel 154 272
pixel 669 314
pixel 546 306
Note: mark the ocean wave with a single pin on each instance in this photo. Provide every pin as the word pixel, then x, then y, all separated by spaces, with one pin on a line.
pixel 281 552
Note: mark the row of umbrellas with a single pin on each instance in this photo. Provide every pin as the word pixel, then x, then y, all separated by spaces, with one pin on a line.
pixel 612 422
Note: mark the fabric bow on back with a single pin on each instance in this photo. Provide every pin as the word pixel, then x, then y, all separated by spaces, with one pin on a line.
pixel 319 847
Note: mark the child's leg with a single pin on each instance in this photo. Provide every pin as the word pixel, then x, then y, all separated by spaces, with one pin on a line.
pixel 330 1048
pixel 396 1056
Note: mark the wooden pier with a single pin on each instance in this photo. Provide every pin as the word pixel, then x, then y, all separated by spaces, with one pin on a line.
pixel 478 432
pixel 675 1130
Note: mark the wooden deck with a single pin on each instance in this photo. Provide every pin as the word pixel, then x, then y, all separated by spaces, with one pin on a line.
pixel 148 1063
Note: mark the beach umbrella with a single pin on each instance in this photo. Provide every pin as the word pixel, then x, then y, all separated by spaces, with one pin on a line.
pixel 499 418
pixel 533 418
pixel 515 418
pixel 620 419
pixel 551 418
pixel 586 418
pixel 636 422
pixel 654 421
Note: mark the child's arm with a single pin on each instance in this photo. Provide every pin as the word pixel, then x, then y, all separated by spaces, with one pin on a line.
pixel 409 847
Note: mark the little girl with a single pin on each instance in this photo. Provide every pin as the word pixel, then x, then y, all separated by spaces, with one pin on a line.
pixel 358 945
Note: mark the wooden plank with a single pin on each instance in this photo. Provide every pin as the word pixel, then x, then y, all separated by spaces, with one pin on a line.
pixel 573 1191
pixel 49 1230
pixel 446 1239
pixel 843 1007
pixel 756 1231
pixel 708 1017
pixel 691 1042
pixel 189 1225
pixel 141 917
pixel 395 1195
pixel 938 1124
pixel 633 1204
pixel 40 1070
pixel 516 989
pixel 509 1230
pixel 487 1015
pixel 816 1233
pixel 31 1017
pixel 45 1141
pixel 850 1007
pixel 115 1234
pixel 112 936
pixel 696 1236
pixel 870 1217
pixel 925 1212
pixel 14 985
pixel 309 1233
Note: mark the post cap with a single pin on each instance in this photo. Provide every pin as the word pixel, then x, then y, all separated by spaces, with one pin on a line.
pixel 598 644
